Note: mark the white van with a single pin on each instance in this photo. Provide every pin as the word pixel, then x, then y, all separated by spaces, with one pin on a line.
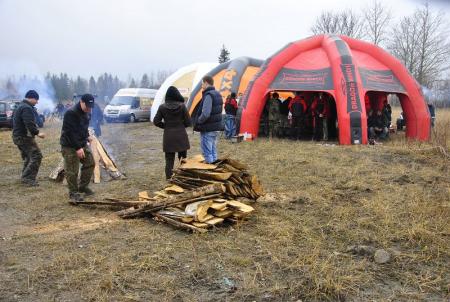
pixel 130 105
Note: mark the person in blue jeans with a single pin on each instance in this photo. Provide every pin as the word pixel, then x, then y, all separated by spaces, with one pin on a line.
pixel 231 107
pixel 208 119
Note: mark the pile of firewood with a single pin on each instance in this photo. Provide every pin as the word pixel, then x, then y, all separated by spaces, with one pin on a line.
pixel 102 162
pixel 198 197
pixel 194 173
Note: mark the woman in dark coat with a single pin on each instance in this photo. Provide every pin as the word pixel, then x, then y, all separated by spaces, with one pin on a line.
pixel 173 117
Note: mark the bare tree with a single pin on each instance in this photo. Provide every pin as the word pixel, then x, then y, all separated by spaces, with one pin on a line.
pixel 377 20
pixel 422 43
pixel 345 23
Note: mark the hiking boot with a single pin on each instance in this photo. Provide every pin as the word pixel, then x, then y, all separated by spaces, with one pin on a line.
pixel 30 183
pixel 74 198
pixel 86 191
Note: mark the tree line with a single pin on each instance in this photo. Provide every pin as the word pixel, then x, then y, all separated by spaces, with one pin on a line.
pixel 421 41
pixel 63 87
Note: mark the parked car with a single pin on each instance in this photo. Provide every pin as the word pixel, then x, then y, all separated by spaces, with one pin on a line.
pixel 6 112
pixel 130 105
pixel 7 109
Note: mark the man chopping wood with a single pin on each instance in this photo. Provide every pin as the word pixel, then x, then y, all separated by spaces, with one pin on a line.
pixel 74 148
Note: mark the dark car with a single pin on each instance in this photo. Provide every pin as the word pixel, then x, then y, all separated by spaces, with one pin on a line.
pixel 6 112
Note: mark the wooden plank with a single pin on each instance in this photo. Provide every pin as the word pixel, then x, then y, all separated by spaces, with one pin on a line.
pixel 109 164
pixel 96 156
pixel 181 224
pixel 207 192
pixel 212 175
pixel 189 165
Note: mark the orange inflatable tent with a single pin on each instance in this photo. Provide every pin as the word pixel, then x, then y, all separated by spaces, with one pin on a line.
pixel 349 70
pixel 231 76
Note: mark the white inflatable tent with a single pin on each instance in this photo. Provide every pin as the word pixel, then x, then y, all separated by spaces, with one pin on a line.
pixel 185 79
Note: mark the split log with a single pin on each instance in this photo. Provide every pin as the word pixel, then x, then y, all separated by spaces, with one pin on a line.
pixel 183 198
pixel 123 204
pixel 96 156
pixel 58 173
pixel 181 224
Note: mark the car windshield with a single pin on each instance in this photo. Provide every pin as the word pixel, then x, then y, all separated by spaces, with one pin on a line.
pixel 122 100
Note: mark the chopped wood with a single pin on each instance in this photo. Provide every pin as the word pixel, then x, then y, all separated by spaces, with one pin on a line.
pixel 214 221
pixel 182 225
pixel 212 175
pixel 174 189
pixel 96 156
pixel 198 196
pixel 101 160
pixel 182 198
pixel 218 206
pixel 58 173
pixel 242 207
pixel 144 196
pixel 223 213
pixel 200 224
pixel 196 165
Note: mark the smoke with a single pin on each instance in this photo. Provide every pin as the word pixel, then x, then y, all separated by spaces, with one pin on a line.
pixel 13 87
pixel 428 94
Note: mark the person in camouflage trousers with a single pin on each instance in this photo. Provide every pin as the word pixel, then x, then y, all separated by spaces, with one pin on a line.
pixel 24 131
pixel 75 150
pixel 274 115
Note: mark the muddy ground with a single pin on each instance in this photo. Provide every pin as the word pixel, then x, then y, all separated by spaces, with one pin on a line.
pixel 312 238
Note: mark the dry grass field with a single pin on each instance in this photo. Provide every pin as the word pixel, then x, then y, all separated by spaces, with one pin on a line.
pixel 321 200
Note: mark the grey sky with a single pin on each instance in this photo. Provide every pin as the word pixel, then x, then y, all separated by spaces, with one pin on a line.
pixel 136 36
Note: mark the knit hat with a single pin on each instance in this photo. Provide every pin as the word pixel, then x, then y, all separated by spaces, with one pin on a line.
pixel 173 95
pixel 88 99
pixel 32 94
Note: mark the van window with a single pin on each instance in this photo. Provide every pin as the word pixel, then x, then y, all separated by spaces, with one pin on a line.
pixel 2 107
pixel 146 102
pixel 123 100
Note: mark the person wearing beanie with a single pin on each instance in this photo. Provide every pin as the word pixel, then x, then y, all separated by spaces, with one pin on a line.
pixel 173 117
pixel 74 148
pixel 24 131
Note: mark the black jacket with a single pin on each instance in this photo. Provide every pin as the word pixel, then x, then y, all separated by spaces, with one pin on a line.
pixel 173 117
pixel 24 121
pixel 214 121
pixel 74 132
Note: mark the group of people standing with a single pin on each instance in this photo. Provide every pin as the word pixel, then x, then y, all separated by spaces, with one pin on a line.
pixel 74 143
pixel 172 116
pixel 298 118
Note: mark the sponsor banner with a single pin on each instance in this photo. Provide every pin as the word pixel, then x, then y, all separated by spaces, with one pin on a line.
pixel 293 79
pixel 380 80
pixel 350 88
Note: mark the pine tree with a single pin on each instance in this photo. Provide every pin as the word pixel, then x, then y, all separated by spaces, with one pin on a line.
pixel 92 85
pixel 224 55
pixel 145 82
pixel 132 84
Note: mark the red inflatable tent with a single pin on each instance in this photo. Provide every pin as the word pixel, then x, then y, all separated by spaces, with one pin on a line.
pixel 347 69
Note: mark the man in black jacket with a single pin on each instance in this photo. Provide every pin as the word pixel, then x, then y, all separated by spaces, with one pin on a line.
pixel 74 148
pixel 24 131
